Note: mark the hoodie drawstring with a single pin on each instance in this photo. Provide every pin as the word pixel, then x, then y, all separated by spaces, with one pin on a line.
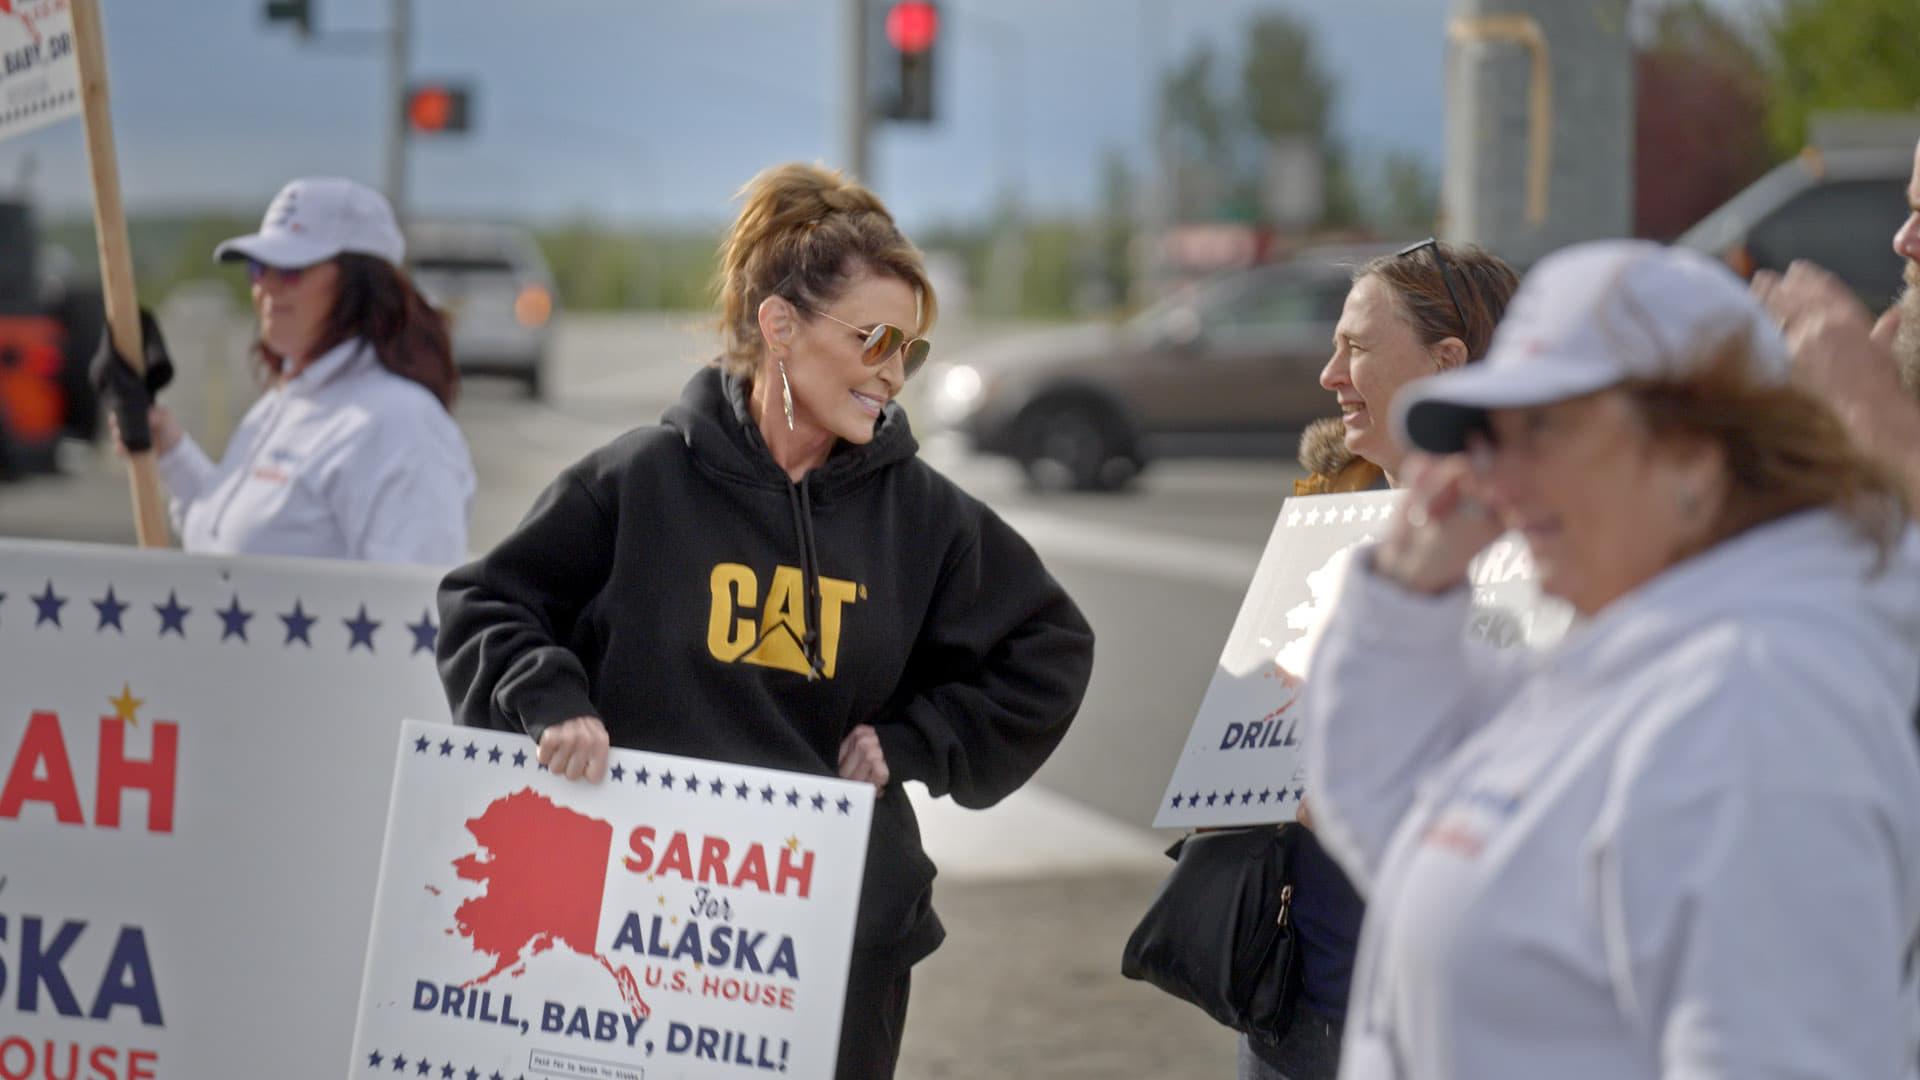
pixel 800 500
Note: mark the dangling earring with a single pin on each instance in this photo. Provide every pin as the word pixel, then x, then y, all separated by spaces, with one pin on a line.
pixel 786 393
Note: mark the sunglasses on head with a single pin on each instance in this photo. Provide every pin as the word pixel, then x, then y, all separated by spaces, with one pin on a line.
pixel 1446 276
pixel 257 270
pixel 880 342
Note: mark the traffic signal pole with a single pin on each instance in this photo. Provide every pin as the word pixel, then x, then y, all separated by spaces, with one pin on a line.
pixel 398 37
pixel 856 120
pixel 399 48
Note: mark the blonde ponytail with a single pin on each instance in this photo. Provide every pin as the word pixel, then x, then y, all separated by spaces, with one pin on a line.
pixel 802 233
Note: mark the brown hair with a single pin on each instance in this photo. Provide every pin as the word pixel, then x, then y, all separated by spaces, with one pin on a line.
pixel 1482 281
pixel 803 234
pixel 377 302
pixel 1785 450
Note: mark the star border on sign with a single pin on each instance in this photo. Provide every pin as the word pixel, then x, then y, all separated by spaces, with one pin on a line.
pixel 126 707
pixel 299 625
pixel 49 604
pixel 110 608
pixel 173 616
pixel 426 635
pixel 233 620
pixel 362 629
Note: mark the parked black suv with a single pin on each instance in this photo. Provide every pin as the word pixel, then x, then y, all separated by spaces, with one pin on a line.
pixel 1838 208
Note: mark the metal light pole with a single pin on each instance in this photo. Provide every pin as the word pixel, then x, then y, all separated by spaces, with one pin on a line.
pixel 856 120
pixel 1010 133
pixel 1161 186
pixel 1539 125
pixel 399 42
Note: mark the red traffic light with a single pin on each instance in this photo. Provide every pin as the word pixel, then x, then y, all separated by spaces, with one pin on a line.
pixel 430 109
pixel 912 25
pixel 439 108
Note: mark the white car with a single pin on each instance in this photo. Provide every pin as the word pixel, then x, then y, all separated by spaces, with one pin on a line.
pixel 494 287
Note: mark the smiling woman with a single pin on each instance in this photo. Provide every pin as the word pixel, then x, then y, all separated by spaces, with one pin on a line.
pixel 352 452
pixel 1428 308
pixel 819 296
pixel 1593 838
pixel 772 577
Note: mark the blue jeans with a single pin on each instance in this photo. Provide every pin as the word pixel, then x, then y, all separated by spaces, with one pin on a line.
pixel 1310 1051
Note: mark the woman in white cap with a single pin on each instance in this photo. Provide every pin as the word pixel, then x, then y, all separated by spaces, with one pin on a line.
pixel 352 452
pixel 1685 842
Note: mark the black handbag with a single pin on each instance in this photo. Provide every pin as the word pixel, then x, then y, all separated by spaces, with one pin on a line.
pixel 1220 933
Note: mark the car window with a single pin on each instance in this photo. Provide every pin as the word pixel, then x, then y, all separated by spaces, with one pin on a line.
pixel 1846 226
pixel 1266 306
pixel 463 264
pixel 1728 225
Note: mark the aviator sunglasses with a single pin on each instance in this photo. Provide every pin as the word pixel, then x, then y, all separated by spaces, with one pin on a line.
pixel 1446 276
pixel 289 274
pixel 880 342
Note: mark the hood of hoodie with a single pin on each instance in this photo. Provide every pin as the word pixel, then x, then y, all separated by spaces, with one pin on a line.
pixel 714 417
pixel 1828 598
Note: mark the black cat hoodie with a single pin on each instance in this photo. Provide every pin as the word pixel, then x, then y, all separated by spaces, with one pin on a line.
pixel 676 584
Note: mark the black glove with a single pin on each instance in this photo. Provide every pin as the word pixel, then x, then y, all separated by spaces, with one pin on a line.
pixel 129 394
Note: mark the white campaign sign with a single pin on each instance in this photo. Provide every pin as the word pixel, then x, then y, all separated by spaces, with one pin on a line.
pixel 39 71
pixel 684 918
pixel 1243 762
pixel 195 760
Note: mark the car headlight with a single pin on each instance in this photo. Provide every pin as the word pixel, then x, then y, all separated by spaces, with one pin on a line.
pixel 956 390
pixel 961 384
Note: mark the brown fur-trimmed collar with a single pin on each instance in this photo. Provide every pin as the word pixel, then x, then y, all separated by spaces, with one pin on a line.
pixel 1331 467
pixel 1323 447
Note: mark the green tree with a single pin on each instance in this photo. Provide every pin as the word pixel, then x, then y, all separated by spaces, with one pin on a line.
pixel 1195 121
pixel 1409 193
pixel 1840 54
pixel 1284 89
pixel 1286 94
pixel 1113 240
pixel 1197 131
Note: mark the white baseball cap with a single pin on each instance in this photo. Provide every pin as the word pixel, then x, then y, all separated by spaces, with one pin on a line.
pixel 316 218
pixel 1589 317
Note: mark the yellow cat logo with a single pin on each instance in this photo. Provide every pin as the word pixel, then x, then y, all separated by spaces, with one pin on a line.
pixel 774 640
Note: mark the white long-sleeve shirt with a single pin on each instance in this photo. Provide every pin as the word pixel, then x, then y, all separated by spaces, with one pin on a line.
pixel 345 460
pixel 1684 843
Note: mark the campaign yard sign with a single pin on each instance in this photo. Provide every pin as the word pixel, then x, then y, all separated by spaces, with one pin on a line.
pixel 39 70
pixel 682 919
pixel 195 757
pixel 1244 763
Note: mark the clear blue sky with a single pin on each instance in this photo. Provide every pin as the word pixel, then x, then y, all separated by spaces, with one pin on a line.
pixel 658 109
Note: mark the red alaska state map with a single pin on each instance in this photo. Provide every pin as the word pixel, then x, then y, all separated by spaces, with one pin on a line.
pixel 545 872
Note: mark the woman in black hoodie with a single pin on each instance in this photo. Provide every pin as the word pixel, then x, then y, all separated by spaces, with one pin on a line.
pixel 772 578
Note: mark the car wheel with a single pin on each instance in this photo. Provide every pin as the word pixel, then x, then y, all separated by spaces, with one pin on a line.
pixel 534 380
pixel 1076 445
